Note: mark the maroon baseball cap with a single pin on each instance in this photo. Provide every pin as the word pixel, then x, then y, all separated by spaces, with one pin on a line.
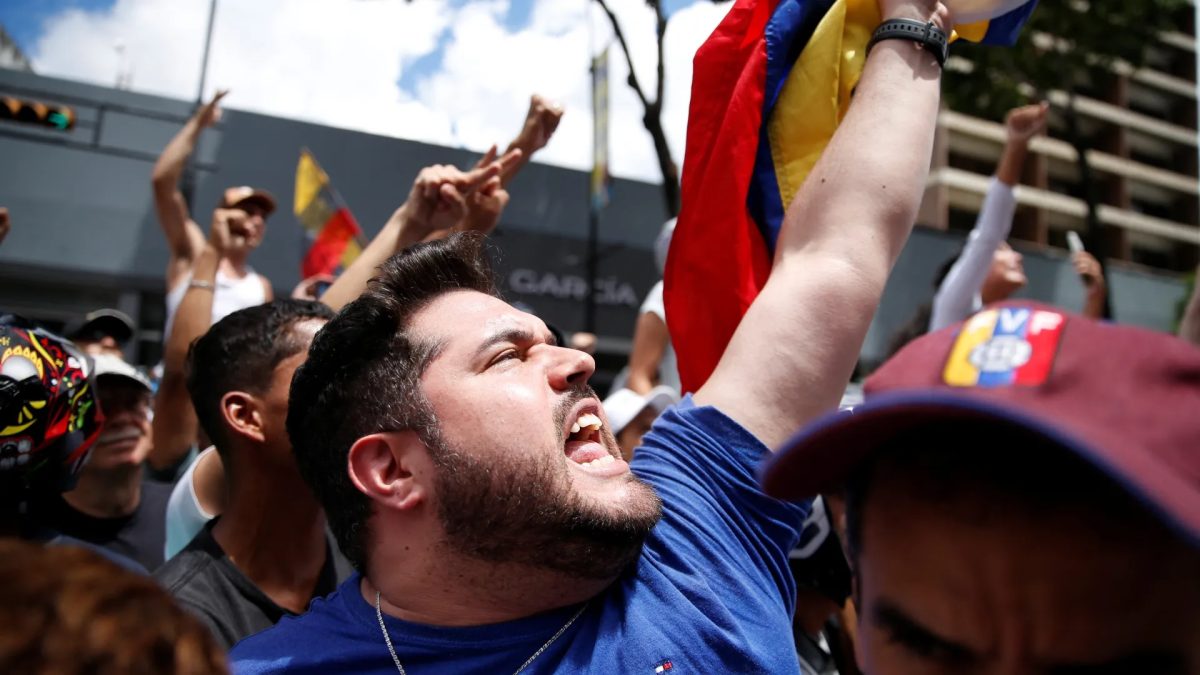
pixel 1125 399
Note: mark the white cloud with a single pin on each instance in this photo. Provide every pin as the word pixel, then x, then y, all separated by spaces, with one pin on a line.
pixel 329 60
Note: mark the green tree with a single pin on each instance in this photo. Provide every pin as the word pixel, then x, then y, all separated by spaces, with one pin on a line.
pixel 1069 46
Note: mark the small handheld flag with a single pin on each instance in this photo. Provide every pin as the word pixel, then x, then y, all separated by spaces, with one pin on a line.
pixel 324 215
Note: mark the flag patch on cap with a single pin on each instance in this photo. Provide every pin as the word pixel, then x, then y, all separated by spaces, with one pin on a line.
pixel 1003 347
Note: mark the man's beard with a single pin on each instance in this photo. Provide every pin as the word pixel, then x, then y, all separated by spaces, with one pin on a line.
pixel 524 511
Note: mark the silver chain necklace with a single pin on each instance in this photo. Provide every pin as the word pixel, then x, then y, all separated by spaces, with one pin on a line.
pixel 396 659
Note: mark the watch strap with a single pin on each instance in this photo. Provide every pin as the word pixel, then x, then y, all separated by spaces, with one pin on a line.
pixel 928 35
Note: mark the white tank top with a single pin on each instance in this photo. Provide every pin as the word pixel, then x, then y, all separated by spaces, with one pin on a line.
pixel 229 296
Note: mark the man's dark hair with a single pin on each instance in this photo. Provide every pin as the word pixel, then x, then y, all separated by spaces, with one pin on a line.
pixel 1007 471
pixel 240 353
pixel 363 375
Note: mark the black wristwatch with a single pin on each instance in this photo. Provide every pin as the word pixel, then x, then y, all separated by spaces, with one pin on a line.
pixel 933 39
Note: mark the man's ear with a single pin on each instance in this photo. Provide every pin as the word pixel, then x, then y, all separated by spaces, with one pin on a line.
pixel 392 468
pixel 243 415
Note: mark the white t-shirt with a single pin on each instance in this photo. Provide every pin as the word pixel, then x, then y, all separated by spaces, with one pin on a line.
pixel 668 370
pixel 185 516
pixel 229 296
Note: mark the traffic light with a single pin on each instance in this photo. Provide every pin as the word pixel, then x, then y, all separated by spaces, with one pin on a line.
pixel 36 112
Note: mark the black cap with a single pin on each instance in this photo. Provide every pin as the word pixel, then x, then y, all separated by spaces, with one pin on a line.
pixel 101 323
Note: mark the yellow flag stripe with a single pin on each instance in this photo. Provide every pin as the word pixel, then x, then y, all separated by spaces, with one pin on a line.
pixel 817 92
pixel 310 179
pixel 353 250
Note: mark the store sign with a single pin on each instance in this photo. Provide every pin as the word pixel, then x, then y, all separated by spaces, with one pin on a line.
pixel 609 290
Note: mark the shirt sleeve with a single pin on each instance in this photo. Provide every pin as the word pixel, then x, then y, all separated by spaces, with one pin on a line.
pixel 955 298
pixel 716 518
pixel 653 303
pixel 185 517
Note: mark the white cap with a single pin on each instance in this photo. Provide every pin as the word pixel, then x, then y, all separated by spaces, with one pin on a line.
pixel 107 364
pixel 623 405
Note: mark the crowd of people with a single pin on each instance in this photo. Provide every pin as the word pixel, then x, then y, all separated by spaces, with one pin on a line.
pixel 402 472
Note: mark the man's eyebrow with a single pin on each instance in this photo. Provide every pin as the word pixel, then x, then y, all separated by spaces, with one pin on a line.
pixel 513 334
pixel 908 632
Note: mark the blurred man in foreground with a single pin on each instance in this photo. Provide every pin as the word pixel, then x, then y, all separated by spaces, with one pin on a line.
pixel 66 611
pixel 1022 496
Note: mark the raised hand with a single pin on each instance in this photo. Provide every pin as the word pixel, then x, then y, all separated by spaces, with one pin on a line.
pixel 1089 269
pixel 921 10
pixel 309 289
pixel 484 208
pixel 229 230
pixel 439 196
pixel 1026 122
pixel 540 123
pixel 210 113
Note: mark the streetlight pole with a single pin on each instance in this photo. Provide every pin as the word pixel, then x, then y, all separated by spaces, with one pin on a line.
pixel 212 12
pixel 188 184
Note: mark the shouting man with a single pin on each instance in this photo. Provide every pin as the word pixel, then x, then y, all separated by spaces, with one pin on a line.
pixel 469 475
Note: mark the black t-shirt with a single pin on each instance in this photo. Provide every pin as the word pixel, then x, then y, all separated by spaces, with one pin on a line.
pixel 207 583
pixel 140 536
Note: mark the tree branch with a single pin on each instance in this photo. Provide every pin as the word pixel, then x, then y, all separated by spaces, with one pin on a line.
pixel 633 81
pixel 661 29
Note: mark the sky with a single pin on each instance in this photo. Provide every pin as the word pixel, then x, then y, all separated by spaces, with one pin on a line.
pixel 451 72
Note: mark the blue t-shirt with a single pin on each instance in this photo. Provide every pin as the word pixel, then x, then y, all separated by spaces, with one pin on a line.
pixel 711 592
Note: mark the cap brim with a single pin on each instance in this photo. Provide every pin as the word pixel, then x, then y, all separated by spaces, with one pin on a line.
pixel 661 397
pixel 266 201
pixel 823 455
pixel 116 324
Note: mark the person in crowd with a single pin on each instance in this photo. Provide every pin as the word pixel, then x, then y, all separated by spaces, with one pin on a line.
pixel 988 270
pixel 267 556
pixel 1189 323
pixel 236 284
pixel 113 505
pixel 1011 507
pixel 103 331
pixel 652 358
pixel 49 420
pixel 176 428
pixel 5 223
pixel 824 624
pixel 67 611
pixel 469 474
pixel 630 415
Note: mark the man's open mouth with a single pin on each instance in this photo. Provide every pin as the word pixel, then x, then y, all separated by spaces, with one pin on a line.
pixel 584 445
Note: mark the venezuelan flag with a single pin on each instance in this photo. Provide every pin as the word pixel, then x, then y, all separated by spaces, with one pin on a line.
pixel 323 215
pixel 770 86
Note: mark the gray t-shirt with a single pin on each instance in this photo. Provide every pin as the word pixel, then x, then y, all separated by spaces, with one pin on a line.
pixel 207 583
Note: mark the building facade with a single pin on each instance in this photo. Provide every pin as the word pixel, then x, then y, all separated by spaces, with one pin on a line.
pixel 1141 128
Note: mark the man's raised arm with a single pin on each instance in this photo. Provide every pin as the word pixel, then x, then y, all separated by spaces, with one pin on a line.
pixel 175 426
pixel 436 202
pixel 184 237
pixel 795 349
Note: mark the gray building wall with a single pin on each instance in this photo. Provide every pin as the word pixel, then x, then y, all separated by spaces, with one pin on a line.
pixel 84 233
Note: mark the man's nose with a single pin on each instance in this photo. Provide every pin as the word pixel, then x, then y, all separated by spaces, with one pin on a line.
pixel 572 368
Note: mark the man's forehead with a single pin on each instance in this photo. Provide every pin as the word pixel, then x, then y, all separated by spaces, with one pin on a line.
pixel 464 318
